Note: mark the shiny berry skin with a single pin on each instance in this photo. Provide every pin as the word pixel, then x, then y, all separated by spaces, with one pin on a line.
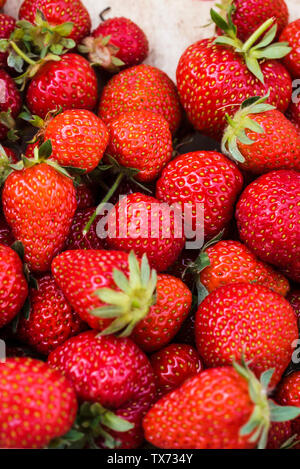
pixel 70 83
pixel 138 88
pixel 288 393
pixel 210 77
pixel 279 434
pixel 7 25
pixel 196 415
pixel 141 140
pixel 291 34
pixel 76 239
pixel 10 99
pixel 166 316
pixel 232 262
pixel 51 321
pixel 127 37
pixel 294 298
pixel 268 220
pixel 37 404
pixel 138 222
pixel 39 220
pixel 13 285
pixel 202 177
pixel 250 319
pixel 58 12
pixel 85 197
pixel 111 371
pixel 174 364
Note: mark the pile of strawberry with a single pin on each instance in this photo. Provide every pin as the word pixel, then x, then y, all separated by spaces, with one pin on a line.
pixel 117 334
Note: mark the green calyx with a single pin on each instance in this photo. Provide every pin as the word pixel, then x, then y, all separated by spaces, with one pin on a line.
pixel 92 423
pixel 265 410
pixel 101 52
pixel 5 168
pixel 237 126
pixel 252 51
pixel 132 303
pixel 7 119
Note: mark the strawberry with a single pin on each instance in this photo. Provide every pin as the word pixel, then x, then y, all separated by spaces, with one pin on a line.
pixel 288 393
pixel 116 43
pixel 174 364
pixel 13 285
pixel 293 112
pixel 7 25
pixel 141 140
pixel 58 12
pixel 85 197
pixel 112 372
pixel 220 408
pixel 268 220
pixel 10 104
pixel 231 262
pixel 51 321
pixel 40 221
pixel 280 433
pixel 141 88
pixel 76 239
pixel 37 404
pixel 202 177
pixel 6 236
pixel 294 298
pixel 213 78
pixel 261 139
pixel 69 83
pixel 147 226
pixel 250 319
pixel 249 14
pixel 291 34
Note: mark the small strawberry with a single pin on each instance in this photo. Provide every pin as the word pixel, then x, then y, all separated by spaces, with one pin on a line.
pixel 40 221
pixel 37 404
pixel 294 298
pixel 85 197
pixel 268 220
pixel 250 319
pixel 112 372
pixel 10 104
pixel 69 83
pixel 142 223
pixel 58 12
pixel 291 34
pixel 202 177
pixel 288 393
pixel 220 408
pixel 141 88
pixel 13 285
pixel 6 236
pixel 261 139
pixel 51 321
pixel 76 239
pixel 172 365
pixel 280 433
pixel 215 75
pixel 7 25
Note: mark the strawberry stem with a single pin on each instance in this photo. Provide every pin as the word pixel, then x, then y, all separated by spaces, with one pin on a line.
pixel 21 53
pixel 257 34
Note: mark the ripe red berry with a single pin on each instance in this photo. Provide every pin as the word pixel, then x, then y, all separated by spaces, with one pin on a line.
pixel 291 34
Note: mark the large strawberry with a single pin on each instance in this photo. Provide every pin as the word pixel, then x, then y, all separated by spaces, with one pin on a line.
pixel 141 88
pixel 38 219
pixel 142 223
pixel 220 408
pixel 13 285
pixel 37 404
pixel 7 25
pixel 69 83
pixel 58 12
pixel 291 34
pixel 288 393
pixel 216 75
pixel 112 372
pixel 202 177
pixel 10 104
pixel 261 139
pixel 268 220
pixel 141 140
pixel 250 319
pixel 51 320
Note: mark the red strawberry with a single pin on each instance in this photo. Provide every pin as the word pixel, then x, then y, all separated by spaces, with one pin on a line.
pixel 147 226
pixel 10 103
pixel 291 34
pixel 288 393
pixel 37 404
pixel 213 78
pixel 69 83
pixel 279 434
pixel 268 220
pixel 7 25
pixel 112 372
pixel 261 139
pixel 202 177
pixel 294 298
pixel 141 140
pixel 141 88
pixel 13 285
pixel 51 321
pixel 76 239
pixel 58 12
pixel 6 236
pixel 215 410
pixel 250 319
pixel 85 197
pixel 231 262
pixel 172 365
pixel 293 112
